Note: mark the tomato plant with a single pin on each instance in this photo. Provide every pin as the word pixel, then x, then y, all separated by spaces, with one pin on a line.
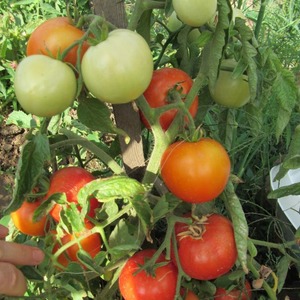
pixel 194 12
pixel 159 93
pixel 241 293
pixel 195 172
pixel 44 86
pixel 23 218
pixel 207 248
pixel 70 180
pixel 118 69
pixel 85 240
pixel 230 91
pixel 54 36
pixel 158 283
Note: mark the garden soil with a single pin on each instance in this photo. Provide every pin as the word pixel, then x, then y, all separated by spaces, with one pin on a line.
pixel 11 139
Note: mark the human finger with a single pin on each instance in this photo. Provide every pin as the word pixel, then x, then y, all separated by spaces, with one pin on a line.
pixel 19 254
pixel 3 231
pixel 12 281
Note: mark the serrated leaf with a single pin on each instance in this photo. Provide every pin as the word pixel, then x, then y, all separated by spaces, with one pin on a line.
pixel 214 50
pixel 123 239
pixel 34 155
pixel 111 188
pixel 108 209
pixel 240 225
pixel 95 115
pixel 21 119
pixel 70 217
pixel 248 55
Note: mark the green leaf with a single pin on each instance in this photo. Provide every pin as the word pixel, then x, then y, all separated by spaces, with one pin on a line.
pixel 292 189
pixel 292 159
pixel 214 50
pixel 235 209
pixel 283 91
pixel 88 261
pixel 282 269
pixel 252 249
pixel 32 273
pixel 97 116
pixel 34 155
pixel 70 217
pixel 21 119
pixel 123 239
pixel 108 209
pixel 144 213
pixel 248 55
pixel 111 188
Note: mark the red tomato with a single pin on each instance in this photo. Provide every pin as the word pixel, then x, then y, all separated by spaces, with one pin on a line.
pixel 91 243
pixel 243 293
pixel 206 250
pixel 54 36
pixel 190 296
pixel 70 180
pixel 144 286
pixel 195 171
pixel 23 219
pixel 157 93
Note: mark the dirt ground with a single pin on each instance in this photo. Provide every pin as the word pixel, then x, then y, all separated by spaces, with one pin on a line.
pixel 11 139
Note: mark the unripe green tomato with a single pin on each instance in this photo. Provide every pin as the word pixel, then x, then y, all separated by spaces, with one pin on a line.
pixel 44 86
pixel 231 92
pixel 195 12
pixel 173 22
pixel 119 69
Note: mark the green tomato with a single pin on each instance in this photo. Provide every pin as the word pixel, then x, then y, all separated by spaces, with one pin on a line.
pixel 44 86
pixel 173 22
pixel 195 12
pixel 119 69
pixel 228 91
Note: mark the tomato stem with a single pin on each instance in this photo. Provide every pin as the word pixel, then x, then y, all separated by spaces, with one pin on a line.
pixel 102 155
pixel 139 8
pixel 161 142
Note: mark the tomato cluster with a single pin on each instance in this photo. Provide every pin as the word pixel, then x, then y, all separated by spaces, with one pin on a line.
pixel 116 70
pixel 68 181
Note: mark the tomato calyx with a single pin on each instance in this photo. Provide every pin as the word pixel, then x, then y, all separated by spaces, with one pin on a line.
pixel 175 94
pixel 150 268
pixel 196 229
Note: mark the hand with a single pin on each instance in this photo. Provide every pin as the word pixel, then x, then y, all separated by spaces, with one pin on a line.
pixel 12 281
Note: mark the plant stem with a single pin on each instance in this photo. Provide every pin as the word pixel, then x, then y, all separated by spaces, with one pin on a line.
pixel 280 247
pixel 267 288
pixel 260 18
pixel 139 8
pixel 199 82
pixel 102 155
pixel 161 142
